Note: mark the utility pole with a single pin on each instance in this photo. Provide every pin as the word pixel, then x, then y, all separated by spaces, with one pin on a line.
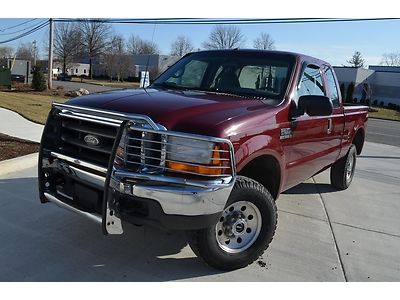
pixel 34 52
pixel 50 66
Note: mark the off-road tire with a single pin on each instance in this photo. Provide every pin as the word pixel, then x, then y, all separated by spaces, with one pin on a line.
pixel 341 175
pixel 204 242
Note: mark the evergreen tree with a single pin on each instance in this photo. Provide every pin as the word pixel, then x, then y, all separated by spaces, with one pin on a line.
pixel 343 90
pixel 356 60
pixel 350 93
pixel 38 80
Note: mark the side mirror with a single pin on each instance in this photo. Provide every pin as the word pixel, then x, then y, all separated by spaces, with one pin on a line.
pixel 314 106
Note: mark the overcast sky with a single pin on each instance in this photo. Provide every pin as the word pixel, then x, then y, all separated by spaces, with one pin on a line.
pixel 333 42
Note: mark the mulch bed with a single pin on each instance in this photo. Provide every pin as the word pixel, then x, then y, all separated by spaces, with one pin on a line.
pixel 11 147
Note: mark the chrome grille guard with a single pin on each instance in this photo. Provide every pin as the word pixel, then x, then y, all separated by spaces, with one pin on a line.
pixel 116 178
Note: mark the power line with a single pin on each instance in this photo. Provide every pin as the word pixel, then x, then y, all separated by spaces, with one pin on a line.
pixel 42 25
pixel 21 30
pixel 15 26
pixel 189 21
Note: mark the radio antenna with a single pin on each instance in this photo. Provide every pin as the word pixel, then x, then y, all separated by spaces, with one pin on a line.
pixel 148 59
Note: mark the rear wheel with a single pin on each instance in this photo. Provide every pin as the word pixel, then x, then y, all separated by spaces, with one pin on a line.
pixel 342 171
pixel 245 229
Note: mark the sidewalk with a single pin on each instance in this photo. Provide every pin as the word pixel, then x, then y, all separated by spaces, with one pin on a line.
pixel 15 125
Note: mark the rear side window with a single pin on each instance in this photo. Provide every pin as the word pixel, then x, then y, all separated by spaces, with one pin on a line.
pixel 310 83
pixel 333 93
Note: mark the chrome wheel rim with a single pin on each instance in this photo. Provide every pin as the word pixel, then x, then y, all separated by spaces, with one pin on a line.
pixel 349 168
pixel 238 227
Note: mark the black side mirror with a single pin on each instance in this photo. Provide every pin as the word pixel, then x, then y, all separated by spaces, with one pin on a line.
pixel 314 106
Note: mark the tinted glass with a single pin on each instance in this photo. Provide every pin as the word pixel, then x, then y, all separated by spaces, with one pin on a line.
pixel 310 83
pixel 249 74
pixel 332 87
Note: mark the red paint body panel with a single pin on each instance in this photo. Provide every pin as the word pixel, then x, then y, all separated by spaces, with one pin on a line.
pixel 253 127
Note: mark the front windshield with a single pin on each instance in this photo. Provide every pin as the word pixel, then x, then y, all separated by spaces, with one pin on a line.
pixel 245 73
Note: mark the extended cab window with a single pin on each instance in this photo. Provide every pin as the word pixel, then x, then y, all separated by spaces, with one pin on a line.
pixel 310 83
pixel 332 87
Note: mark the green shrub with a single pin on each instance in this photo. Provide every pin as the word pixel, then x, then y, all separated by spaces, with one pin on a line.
pixel 381 104
pixel 375 103
pixel 38 80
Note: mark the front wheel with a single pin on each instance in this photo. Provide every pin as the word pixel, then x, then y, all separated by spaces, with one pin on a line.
pixel 245 229
pixel 342 171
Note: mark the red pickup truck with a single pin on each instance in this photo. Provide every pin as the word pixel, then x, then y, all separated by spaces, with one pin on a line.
pixel 207 148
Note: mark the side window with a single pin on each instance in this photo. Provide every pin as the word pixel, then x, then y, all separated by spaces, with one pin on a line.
pixel 310 83
pixel 332 87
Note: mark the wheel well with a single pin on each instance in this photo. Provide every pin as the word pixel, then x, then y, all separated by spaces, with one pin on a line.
pixel 265 170
pixel 358 140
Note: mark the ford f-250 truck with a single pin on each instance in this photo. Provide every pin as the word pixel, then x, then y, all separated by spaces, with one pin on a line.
pixel 207 148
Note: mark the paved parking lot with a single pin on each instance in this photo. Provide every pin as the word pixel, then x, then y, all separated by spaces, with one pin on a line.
pixel 322 235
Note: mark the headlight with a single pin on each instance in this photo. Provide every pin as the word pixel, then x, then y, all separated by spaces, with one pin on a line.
pixel 189 150
pixel 194 156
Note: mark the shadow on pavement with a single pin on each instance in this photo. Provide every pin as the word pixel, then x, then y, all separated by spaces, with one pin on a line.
pixel 311 188
pixel 42 242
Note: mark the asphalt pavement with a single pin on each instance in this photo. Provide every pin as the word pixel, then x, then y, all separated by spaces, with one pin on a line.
pixel 383 131
pixel 92 88
pixel 322 235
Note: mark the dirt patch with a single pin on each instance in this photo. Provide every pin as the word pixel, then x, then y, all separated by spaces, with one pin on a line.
pixel 12 147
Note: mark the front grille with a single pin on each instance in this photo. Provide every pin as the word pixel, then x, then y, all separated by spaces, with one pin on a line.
pixel 145 147
pixel 72 143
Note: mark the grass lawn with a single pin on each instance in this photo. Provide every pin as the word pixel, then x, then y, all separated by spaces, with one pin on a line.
pixel 132 85
pixel 385 113
pixel 34 107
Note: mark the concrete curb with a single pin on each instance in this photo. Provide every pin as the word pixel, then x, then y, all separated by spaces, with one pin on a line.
pixel 19 163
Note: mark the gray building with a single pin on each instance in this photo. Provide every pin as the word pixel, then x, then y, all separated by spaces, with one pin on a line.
pixel 156 62
pixel 381 83
pixel 18 67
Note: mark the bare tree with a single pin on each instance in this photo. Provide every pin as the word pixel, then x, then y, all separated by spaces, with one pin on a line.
pixel 136 45
pixel 26 51
pixel 95 34
pixel 391 59
pixel 117 61
pixel 356 60
pixel 6 52
pixel 224 37
pixel 181 46
pixel 67 43
pixel 264 42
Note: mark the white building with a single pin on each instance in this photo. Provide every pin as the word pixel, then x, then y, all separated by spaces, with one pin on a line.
pixel 76 69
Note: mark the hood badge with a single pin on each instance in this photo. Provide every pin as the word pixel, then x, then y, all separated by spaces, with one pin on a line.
pixel 91 140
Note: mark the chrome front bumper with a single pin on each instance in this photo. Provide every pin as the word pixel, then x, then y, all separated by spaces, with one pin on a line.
pixel 176 196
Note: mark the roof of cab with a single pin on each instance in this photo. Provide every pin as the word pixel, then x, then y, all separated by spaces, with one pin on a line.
pixel 299 56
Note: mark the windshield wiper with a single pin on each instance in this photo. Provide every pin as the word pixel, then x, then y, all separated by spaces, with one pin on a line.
pixel 170 85
pixel 237 93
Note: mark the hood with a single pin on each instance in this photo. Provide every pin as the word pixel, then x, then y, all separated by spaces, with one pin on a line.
pixel 187 111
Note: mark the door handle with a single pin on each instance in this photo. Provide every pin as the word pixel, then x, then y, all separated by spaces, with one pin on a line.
pixel 330 126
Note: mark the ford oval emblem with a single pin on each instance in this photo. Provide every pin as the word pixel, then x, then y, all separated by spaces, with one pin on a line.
pixel 91 140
